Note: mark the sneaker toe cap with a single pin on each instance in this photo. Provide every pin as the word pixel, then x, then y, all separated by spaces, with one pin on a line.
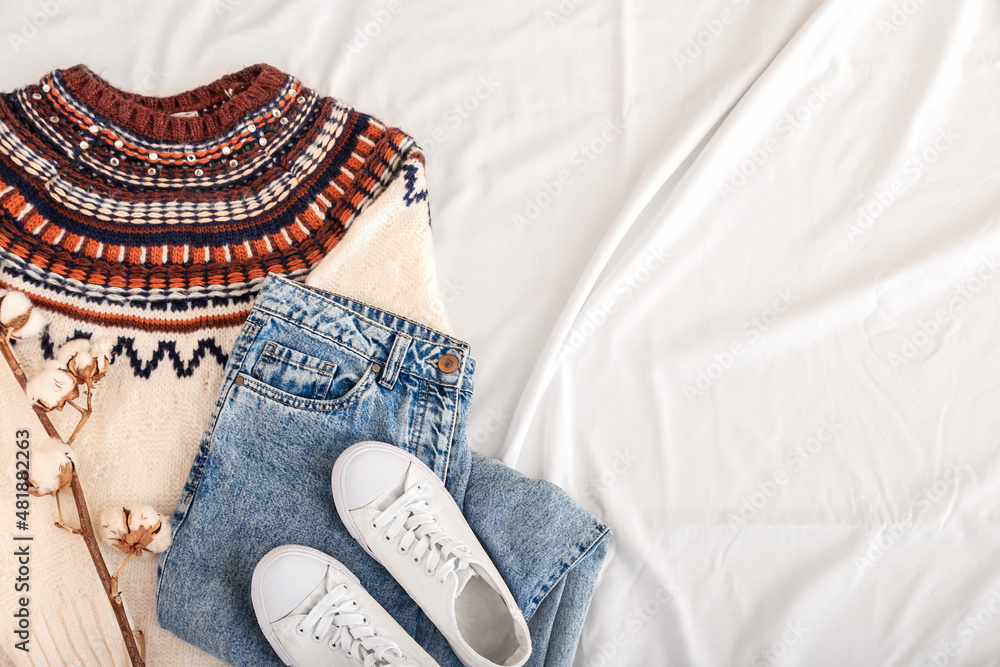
pixel 283 580
pixel 369 471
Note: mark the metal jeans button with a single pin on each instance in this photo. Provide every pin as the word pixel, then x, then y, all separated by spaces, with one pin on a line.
pixel 447 363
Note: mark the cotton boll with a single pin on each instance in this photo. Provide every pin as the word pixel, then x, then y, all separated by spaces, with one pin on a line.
pixel 14 304
pixel 102 352
pixel 164 537
pixel 51 388
pixel 101 349
pixel 146 517
pixel 17 317
pixel 142 515
pixel 34 326
pixel 113 527
pixel 87 360
pixel 136 529
pixel 77 349
pixel 52 465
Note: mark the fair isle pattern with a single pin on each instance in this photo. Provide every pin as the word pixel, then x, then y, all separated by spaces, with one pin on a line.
pixel 174 230
pixel 152 223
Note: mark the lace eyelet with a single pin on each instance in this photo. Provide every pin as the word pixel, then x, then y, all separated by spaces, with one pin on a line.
pixel 364 620
pixel 317 638
pixel 401 549
pixel 387 538
pixel 415 560
pixel 442 581
pixel 334 644
pixel 420 487
pixel 300 630
pixel 428 572
pixel 373 525
pixel 356 604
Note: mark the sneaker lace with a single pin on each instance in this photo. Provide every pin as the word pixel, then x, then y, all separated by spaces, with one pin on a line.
pixel 352 633
pixel 411 513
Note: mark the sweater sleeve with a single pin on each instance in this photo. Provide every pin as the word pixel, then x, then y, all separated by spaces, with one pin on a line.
pixel 386 257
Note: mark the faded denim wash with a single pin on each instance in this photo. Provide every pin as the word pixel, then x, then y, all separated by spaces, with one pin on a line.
pixel 310 374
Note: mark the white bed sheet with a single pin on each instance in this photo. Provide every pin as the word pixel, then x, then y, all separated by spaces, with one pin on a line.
pixel 784 407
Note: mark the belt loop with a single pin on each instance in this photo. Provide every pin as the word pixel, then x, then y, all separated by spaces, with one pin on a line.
pixel 395 361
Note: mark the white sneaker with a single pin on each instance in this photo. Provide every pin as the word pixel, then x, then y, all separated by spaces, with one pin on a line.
pixel 315 613
pixel 402 515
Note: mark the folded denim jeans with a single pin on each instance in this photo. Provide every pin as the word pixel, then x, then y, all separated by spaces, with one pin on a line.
pixel 310 374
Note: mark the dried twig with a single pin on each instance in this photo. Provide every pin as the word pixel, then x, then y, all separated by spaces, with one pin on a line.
pixel 86 530
pixel 84 416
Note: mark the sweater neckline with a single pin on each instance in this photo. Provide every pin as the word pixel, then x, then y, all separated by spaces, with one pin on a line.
pixel 111 211
pixel 190 116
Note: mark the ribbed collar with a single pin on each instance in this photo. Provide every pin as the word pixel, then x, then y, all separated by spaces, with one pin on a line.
pixel 226 100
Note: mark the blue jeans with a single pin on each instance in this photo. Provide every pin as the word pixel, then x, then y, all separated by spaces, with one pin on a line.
pixel 310 374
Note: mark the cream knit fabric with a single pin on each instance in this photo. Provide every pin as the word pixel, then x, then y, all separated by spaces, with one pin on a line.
pixel 151 408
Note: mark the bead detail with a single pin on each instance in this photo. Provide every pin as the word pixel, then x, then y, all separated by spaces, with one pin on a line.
pixel 114 162
pixel 151 171
pixel 226 150
pixel 119 144
pixel 233 163
pixel 84 145
pixel 154 157
pixel 199 172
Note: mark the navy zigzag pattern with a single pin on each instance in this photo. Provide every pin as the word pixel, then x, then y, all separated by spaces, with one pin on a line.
pixel 165 349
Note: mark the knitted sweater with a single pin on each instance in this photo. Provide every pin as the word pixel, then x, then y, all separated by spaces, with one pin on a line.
pixel 152 221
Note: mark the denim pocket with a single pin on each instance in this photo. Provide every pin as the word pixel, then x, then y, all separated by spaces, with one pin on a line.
pixel 302 371
pixel 293 371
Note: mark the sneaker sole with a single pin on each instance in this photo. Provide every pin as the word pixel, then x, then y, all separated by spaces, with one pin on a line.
pixel 256 594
